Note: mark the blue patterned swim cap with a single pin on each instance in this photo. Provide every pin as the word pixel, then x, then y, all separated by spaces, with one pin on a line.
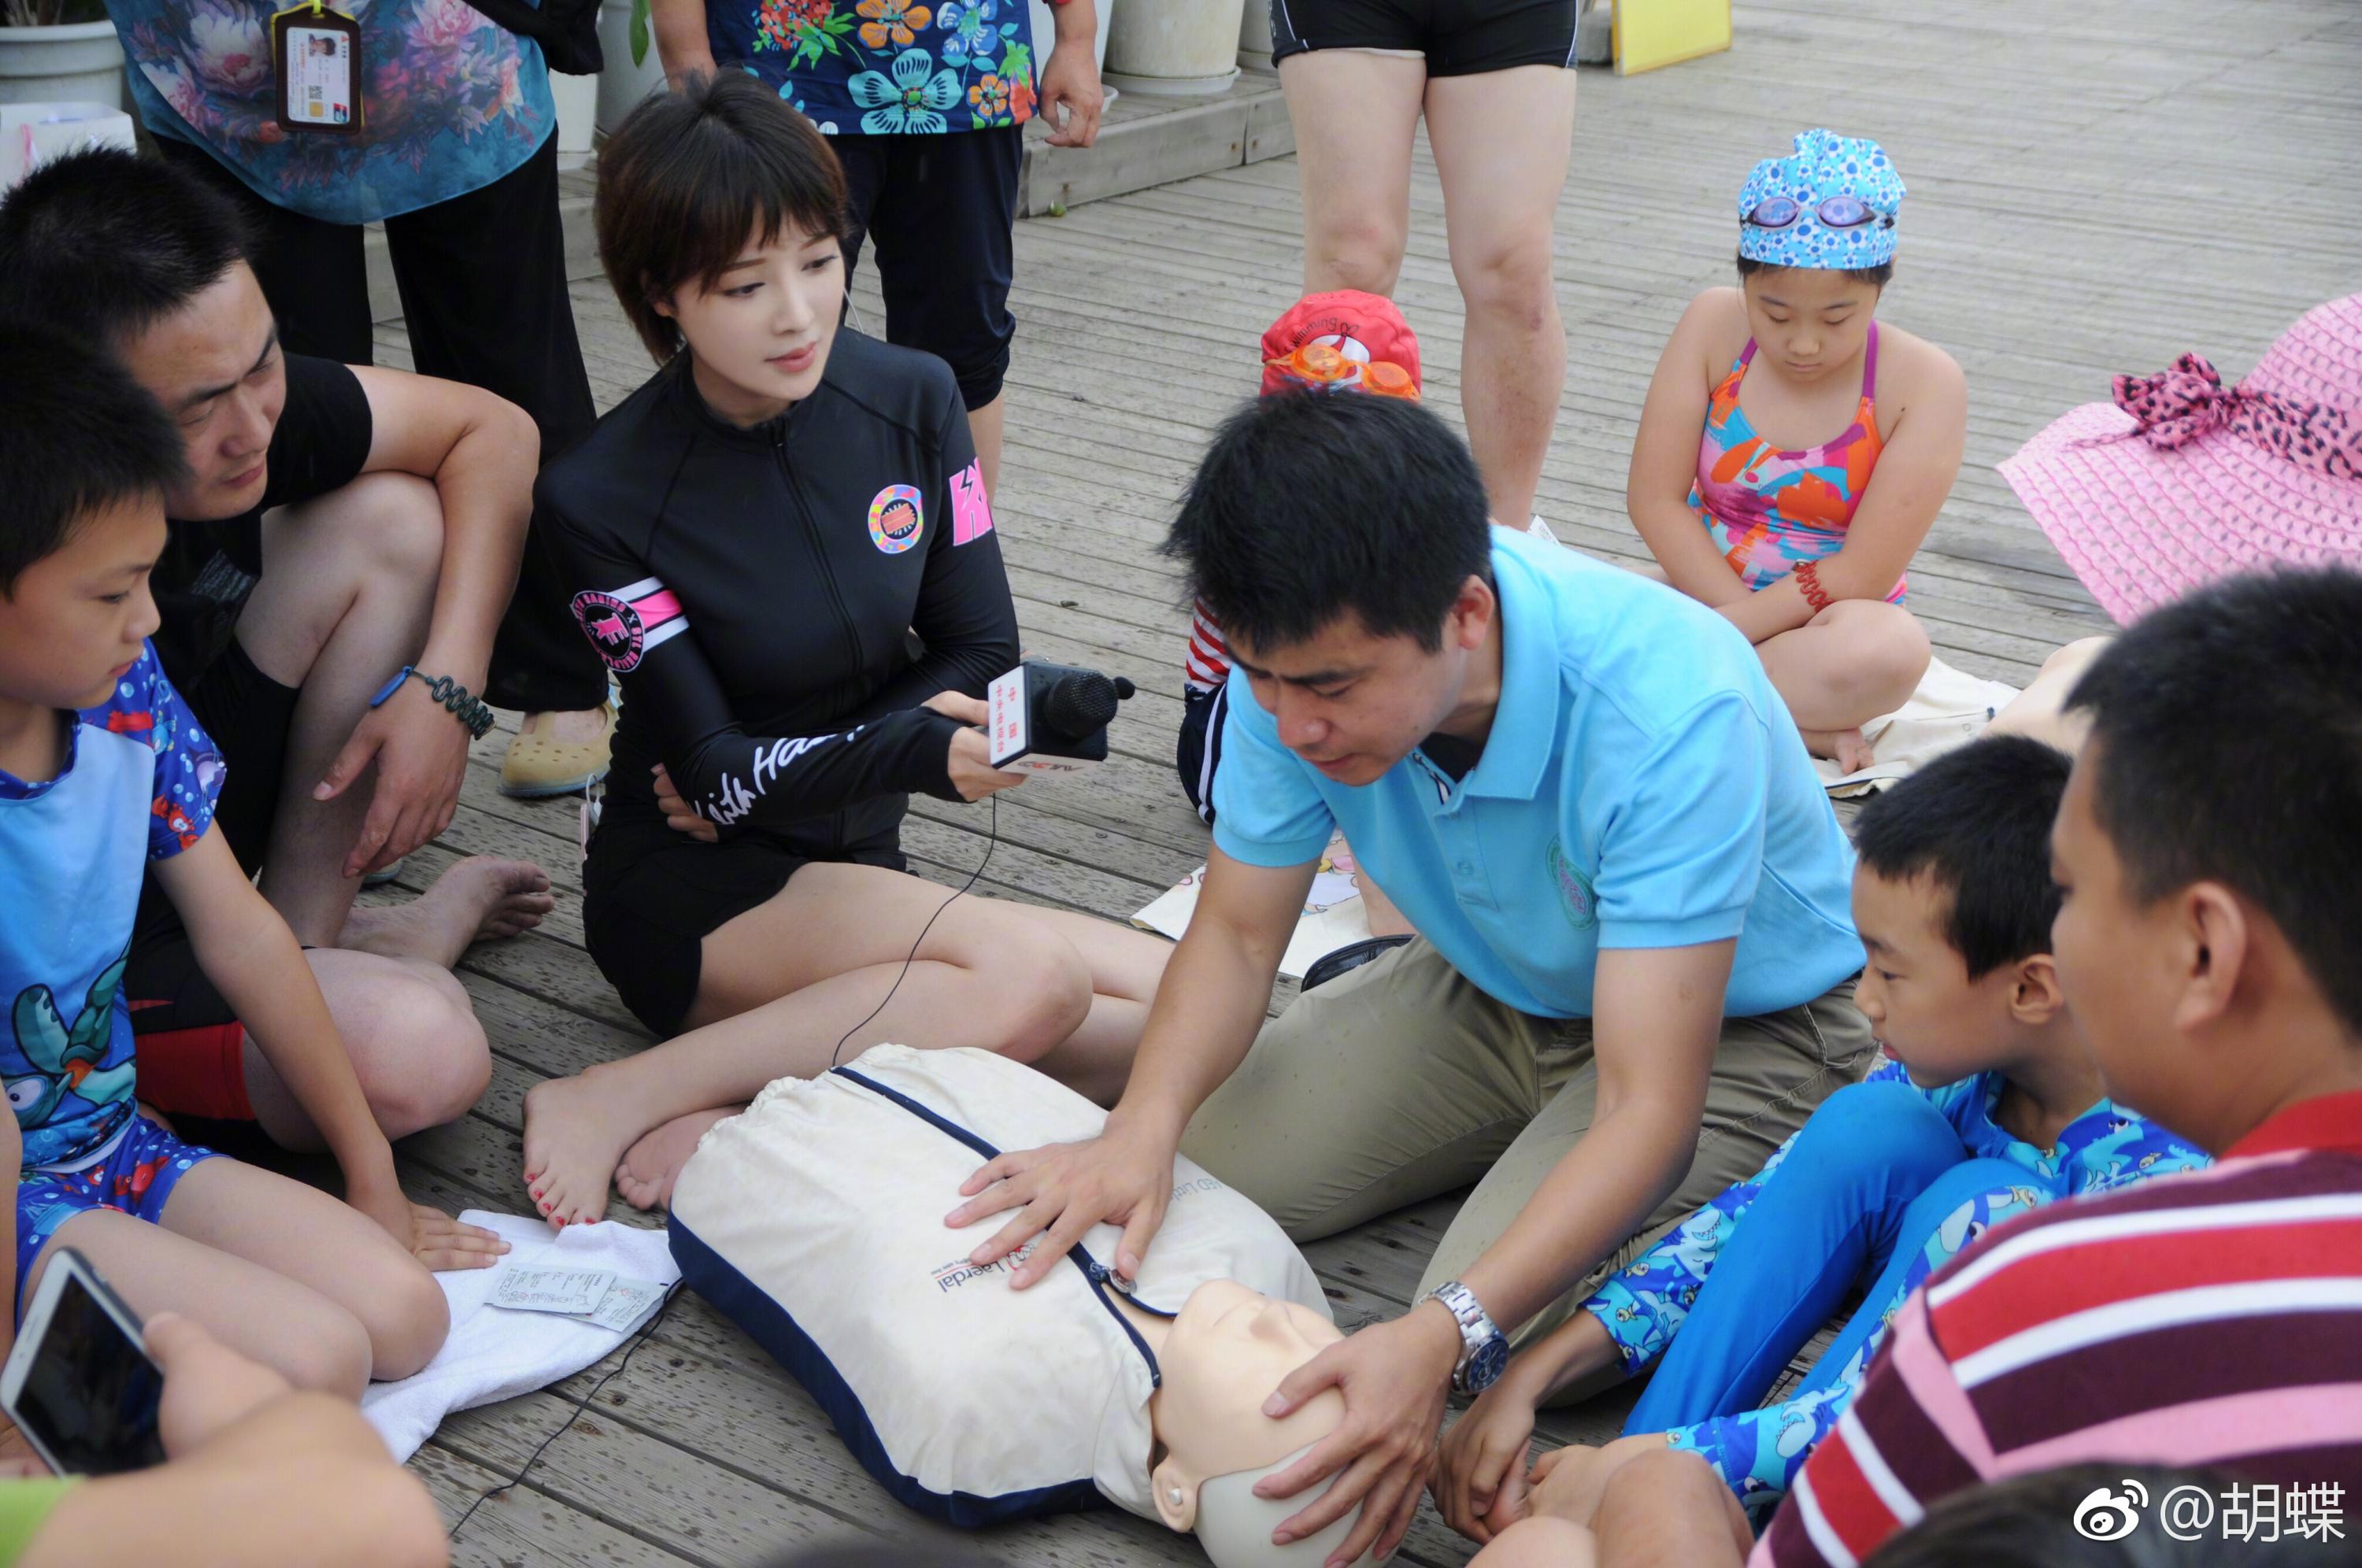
pixel 1824 165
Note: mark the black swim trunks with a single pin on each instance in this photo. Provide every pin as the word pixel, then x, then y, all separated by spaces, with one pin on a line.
pixel 1459 37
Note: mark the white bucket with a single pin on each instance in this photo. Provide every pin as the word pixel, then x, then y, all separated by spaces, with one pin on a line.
pixel 578 117
pixel 79 62
pixel 1175 46
pixel 622 85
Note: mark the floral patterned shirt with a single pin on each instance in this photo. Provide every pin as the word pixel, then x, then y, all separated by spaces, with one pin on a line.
pixel 1758 1452
pixel 885 66
pixel 450 102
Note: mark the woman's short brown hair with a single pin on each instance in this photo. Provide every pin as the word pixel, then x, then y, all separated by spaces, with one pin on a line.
pixel 688 176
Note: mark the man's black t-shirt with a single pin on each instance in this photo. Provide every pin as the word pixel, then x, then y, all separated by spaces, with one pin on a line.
pixel 207 570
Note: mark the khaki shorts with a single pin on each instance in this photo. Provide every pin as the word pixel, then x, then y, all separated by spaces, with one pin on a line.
pixel 1401 1080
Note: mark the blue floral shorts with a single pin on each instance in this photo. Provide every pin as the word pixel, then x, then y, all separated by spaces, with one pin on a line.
pixel 137 1178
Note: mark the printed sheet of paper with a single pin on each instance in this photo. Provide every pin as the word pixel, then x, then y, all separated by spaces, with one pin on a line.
pixel 571 1292
pixel 626 1303
pixel 1333 915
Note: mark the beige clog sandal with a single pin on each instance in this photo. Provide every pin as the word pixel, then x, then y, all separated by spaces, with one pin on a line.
pixel 539 765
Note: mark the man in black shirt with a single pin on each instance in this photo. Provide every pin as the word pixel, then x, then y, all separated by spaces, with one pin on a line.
pixel 340 529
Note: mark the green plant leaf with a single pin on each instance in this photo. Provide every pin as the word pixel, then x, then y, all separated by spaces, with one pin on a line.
pixel 639 32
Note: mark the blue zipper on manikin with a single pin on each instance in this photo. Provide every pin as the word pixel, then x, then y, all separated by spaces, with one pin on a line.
pixel 1100 1276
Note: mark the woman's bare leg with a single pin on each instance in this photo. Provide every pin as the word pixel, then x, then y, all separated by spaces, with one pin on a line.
pixel 2040 709
pixel 1126 966
pixel 1855 661
pixel 785 991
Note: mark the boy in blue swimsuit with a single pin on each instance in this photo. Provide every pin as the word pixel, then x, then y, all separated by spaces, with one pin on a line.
pixel 103 772
pixel 1984 1103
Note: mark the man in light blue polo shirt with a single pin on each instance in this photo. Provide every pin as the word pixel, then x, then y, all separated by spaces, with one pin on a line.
pixel 1634 975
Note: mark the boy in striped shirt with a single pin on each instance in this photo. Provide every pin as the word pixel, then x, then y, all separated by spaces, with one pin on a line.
pixel 2211 947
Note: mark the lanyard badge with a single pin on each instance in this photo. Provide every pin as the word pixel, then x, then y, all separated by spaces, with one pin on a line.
pixel 316 55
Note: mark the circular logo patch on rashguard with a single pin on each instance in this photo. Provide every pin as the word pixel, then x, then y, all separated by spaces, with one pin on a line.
pixel 1575 895
pixel 614 628
pixel 895 520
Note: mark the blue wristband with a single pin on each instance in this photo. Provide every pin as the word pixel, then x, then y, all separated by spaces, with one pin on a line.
pixel 462 704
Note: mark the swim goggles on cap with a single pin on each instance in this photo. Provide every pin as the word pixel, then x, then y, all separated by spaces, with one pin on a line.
pixel 1833 204
pixel 1838 212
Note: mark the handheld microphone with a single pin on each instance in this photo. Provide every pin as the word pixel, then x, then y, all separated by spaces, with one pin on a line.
pixel 1051 718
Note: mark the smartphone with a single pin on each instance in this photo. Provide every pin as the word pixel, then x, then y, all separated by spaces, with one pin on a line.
pixel 79 1384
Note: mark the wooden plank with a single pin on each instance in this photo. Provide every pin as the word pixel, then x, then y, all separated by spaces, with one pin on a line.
pixel 1192 140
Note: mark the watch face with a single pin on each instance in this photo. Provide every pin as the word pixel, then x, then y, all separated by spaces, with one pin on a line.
pixel 1484 1368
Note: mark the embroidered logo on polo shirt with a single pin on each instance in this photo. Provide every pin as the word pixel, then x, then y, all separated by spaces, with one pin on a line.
pixel 896 519
pixel 1574 894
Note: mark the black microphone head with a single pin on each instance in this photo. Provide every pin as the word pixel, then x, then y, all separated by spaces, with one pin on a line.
pixel 1078 704
pixel 1124 689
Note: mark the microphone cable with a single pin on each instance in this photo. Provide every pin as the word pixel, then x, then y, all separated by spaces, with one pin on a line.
pixel 991 841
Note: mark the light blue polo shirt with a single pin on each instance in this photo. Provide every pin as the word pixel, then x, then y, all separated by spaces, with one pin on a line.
pixel 1642 786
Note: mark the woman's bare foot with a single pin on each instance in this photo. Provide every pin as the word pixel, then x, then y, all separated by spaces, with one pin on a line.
pixel 483 897
pixel 575 1130
pixel 1846 747
pixel 644 1178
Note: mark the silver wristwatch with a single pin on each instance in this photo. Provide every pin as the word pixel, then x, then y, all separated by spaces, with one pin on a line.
pixel 1484 1349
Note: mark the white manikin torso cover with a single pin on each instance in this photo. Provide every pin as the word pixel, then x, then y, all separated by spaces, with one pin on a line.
pixel 815 1221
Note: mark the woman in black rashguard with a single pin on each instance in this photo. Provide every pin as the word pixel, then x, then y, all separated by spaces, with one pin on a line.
pixel 752 538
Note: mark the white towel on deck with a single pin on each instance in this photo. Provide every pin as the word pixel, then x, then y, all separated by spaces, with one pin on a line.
pixel 494 1354
pixel 1950 707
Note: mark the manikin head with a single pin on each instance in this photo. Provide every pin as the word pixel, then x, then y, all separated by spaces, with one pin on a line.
pixel 1222 1357
pixel 1344 544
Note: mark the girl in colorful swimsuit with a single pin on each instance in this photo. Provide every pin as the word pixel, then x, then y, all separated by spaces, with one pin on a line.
pixel 1792 455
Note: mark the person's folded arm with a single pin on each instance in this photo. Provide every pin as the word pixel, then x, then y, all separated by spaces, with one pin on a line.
pixel 1906 489
pixel 480 452
pixel 729 776
pixel 1664 462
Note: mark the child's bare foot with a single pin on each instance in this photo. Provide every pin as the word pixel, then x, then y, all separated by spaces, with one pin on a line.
pixel 1846 747
pixel 483 897
pixel 575 1130
pixel 645 1177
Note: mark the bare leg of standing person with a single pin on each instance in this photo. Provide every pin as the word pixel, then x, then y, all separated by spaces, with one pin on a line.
pixel 1501 141
pixel 1354 114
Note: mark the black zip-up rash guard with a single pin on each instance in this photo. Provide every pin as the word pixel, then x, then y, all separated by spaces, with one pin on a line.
pixel 753 589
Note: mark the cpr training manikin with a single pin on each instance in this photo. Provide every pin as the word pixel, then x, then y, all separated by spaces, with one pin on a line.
pixel 815 1221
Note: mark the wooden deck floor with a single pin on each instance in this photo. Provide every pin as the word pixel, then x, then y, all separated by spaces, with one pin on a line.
pixel 2094 187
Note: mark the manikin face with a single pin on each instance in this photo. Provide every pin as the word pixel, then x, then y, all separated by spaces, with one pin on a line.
pixel 1915 990
pixel 73 624
pixel 1225 1354
pixel 1351 704
pixel 214 365
pixel 760 336
pixel 1808 320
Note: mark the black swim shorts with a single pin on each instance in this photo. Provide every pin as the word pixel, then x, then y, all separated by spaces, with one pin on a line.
pixel 1459 37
